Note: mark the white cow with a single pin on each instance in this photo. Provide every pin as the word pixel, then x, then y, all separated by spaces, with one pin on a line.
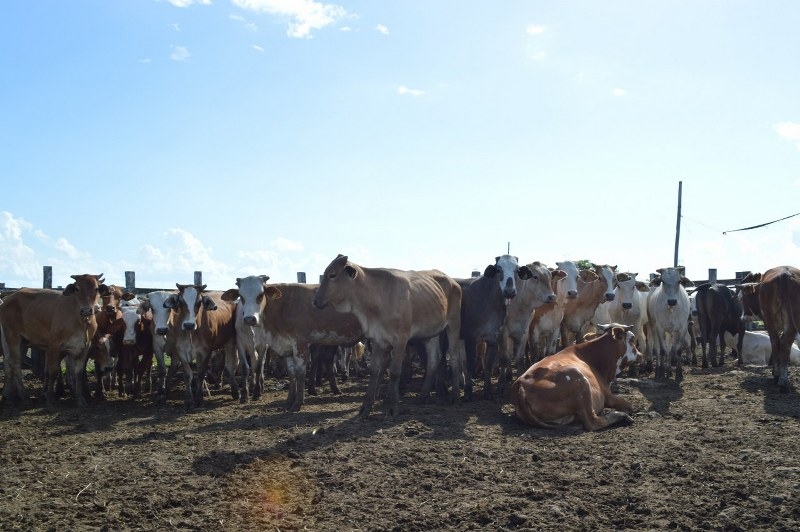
pixel 253 294
pixel 630 305
pixel 756 349
pixel 668 321
pixel 544 333
pixel 161 324
pixel 532 293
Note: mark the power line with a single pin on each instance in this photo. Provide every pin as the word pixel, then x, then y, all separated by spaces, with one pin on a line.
pixel 760 225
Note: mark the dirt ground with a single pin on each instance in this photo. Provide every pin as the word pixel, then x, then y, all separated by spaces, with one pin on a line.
pixel 717 452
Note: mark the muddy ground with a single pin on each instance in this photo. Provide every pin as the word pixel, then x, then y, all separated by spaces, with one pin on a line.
pixel 717 452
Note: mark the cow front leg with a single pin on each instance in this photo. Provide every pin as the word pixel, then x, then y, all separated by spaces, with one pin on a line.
pixel 377 361
pixel 432 365
pixel 395 374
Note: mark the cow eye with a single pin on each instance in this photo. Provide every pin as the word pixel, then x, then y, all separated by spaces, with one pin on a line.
pixel 331 276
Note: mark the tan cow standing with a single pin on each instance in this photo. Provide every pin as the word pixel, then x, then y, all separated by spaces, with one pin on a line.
pixel 394 307
pixel 573 384
pixel 63 324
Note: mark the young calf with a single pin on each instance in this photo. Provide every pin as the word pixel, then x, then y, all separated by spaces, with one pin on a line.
pixel 574 383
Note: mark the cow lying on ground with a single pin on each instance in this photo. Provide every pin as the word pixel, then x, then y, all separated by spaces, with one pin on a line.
pixel 757 348
pixel 573 384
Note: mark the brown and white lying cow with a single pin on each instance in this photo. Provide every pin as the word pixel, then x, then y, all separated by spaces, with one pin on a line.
pixel 573 384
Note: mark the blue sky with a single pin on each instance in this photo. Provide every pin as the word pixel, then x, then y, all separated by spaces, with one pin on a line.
pixel 240 137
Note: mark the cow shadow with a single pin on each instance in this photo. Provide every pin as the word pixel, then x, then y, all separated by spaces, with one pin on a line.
pixel 759 381
pixel 660 393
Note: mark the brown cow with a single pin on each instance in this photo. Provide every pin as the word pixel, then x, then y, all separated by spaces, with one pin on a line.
pixel 574 383
pixel 63 324
pixel 595 286
pixel 203 323
pixel 292 326
pixel 393 308
pixel 779 297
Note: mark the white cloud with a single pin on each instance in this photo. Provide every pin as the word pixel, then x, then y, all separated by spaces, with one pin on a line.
pixel 179 53
pixel 237 18
pixel 618 92
pixel 380 28
pixel 402 89
pixel 284 244
pixel 175 26
pixel 187 3
pixel 535 29
pixel 345 28
pixel 17 259
pixel 305 15
pixel 145 60
pixel 258 48
pixel 789 131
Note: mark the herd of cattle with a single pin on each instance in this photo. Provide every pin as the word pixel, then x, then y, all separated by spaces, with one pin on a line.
pixel 579 328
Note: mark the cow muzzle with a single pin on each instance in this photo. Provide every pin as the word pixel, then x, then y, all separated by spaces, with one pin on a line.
pixel 252 321
pixel 87 311
pixel 610 296
pixel 627 306
pixel 189 326
pixel 672 302
pixel 161 331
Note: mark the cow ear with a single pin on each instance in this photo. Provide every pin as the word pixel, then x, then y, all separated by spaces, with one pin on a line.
pixel 490 271
pixel 524 273
pixel 655 281
pixel 201 288
pixel 641 286
pixel 103 290
pixel 557 274
pixel 352 272
pixel 171 301
pixel 272 292
pixel 71 288
pixel 209 304
pixel 587 276
pixel 685 282
pixel 232 294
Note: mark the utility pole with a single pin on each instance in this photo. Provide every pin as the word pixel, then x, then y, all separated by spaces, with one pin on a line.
pixel 678 225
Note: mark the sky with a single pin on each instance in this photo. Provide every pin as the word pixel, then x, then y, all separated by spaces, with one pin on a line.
pixel 249 137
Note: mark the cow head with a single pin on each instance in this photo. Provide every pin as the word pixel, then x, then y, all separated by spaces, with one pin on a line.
pixel 567 286
pixel 110 296
pixel 747 294
pixel 607 276
pixel 86 289
pixel 190 299
pixel 104 359
pixel 540 282
pixel 506 270
pixel 253 294
pixel 628 353
pixel 336 284
pixel 130 317
pixel 626 286
pixel 160 304
pixel 671 281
